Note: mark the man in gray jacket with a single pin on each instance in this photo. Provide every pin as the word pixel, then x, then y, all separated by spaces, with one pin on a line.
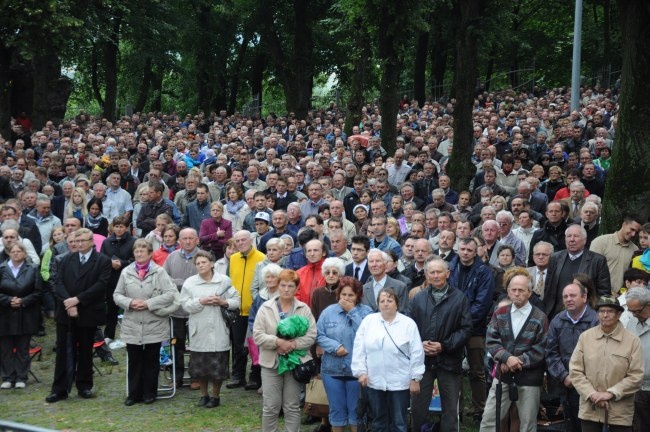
pixel 377 265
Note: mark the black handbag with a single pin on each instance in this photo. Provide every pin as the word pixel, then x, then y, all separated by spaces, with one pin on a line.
pixel 304 372
pixel 229 315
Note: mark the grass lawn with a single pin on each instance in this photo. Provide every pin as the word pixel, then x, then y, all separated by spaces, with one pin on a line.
pixel 239 411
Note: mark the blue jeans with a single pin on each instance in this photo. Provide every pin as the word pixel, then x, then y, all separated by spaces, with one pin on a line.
pixel 389 410
pixel 342 394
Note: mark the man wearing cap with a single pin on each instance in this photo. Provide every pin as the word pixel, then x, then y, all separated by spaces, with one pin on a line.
pixel 258 206
pixel 606 369
pixel 638 303
pixel 262 227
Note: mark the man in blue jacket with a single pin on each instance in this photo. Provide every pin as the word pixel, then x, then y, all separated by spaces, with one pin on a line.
pixel 472 277
pixel 563 334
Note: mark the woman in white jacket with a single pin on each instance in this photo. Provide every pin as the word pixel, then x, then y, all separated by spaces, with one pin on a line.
pixel 203 296
pixel 148 296
pixel 388 359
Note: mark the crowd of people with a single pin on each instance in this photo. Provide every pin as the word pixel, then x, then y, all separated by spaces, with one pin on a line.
pixel 397 283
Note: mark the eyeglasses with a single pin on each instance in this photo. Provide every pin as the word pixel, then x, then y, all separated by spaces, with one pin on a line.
pixel 637 311
pixel 331 272
pixel 81 240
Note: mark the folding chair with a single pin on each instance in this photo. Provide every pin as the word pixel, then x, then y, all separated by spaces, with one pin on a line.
pixel 96 345
pixel 35 351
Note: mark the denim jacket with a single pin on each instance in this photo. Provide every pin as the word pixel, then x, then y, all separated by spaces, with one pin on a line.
pixel 335 328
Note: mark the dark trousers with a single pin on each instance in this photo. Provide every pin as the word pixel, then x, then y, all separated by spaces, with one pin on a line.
pixel 641 411
pixel 476 358
pixel 449 386
pixel 180 334
pixel 111 315
pixel 239 350
pixel 14 366
pixel 74 358
pixel 389 410
pixel 144 366
pixel 571 404
pixel 589 426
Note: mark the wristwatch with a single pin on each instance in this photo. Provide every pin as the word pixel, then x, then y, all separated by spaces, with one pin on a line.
pixel 417 379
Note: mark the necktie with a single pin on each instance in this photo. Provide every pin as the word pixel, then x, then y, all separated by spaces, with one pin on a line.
pixel 539 288
pixel 575 208
pixel 443 255
pixel 83 259
pixel 356 273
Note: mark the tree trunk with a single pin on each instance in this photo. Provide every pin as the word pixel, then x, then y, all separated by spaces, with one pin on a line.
pixel 5 93
pixel 46 70
pixel 419 68
pixel 157 88
pixel 257 77
pixel 111 50
pixel 460 169
pixel 145 85
pixel 390 58
pixel 94 75
pixel 359 79
pixel 627 182
pixel 234 81
pixel 438 53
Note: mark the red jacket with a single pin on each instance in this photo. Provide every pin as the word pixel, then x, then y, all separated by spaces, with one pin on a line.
pixel 311 277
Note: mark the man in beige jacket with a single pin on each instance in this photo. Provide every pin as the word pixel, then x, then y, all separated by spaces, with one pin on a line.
pixel 606 369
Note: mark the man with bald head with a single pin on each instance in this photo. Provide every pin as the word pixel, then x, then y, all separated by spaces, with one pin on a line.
pixel 563 334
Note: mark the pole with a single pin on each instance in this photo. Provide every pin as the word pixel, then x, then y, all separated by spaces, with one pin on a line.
pixel 575 70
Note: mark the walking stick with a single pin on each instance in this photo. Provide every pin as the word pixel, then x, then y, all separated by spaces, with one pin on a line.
pixel 498 393
pixel 606 425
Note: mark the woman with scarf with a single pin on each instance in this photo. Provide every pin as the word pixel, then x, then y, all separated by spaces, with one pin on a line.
pixel 215 231
pixel 95 219
pixel 202 296
pixel 119 248
pixel 148 296
pixel 170 244
pixel 235 207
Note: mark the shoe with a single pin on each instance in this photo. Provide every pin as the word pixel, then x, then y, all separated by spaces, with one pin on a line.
pixel 204 400
pixel 85 394
pixel 110 360
pixel 20 385
pixel 311 420
pixel 6 385
pixel 129 402
pixel 259 391
pixel 476 419
pixel 194 385
pixel 179 383
pixel 149 400
pixel 107 341
pixel 252 385
pixel 235 384
pixel 213 402
pixel 55 397
pixel 323 428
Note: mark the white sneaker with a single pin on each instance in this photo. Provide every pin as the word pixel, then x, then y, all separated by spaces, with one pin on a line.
pixel 5 385
pixel 108 341
pixel 20 385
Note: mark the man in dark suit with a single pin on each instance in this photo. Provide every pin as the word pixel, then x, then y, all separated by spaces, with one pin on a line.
pixel 566 263
pixel 81 307
pixel 446 242
pixel 377 260
pixel 358 268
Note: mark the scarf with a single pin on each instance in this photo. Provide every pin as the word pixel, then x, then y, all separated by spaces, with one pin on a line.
pixel 94 222
pixel 142 269
pixel 169 249
pixel 645 260
pixel 233 208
